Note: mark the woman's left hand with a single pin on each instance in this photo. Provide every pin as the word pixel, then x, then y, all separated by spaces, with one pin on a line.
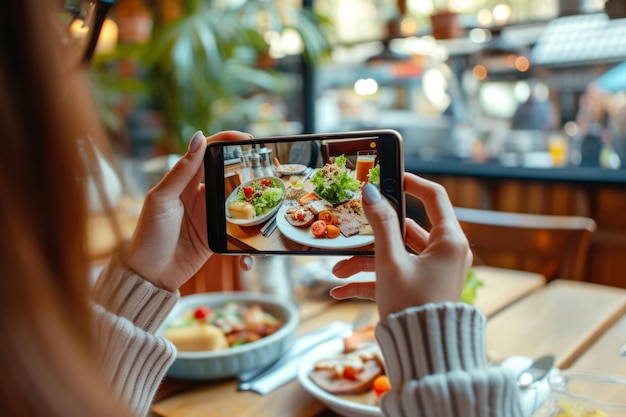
pixel 170 243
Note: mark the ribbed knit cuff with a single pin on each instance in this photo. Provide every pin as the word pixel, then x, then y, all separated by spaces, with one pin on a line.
pixel 126 294
pixel 437 366
pixel 433 338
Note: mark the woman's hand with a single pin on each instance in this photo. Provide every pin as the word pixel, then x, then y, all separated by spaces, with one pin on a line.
pixel 405 280
pixel 170 243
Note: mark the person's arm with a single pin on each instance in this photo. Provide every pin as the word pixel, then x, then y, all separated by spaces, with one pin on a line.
pixel 127 311
pixel 433 346
pixel 137 290
pixel 436 362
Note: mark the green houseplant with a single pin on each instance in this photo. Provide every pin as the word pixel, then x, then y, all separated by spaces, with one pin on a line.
pixel 206 69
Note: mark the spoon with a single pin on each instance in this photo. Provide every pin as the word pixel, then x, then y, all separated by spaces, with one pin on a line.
pixel 536 371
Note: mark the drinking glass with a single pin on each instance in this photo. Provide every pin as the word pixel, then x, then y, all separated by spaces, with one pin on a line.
pixel 577 393
pixel 364 162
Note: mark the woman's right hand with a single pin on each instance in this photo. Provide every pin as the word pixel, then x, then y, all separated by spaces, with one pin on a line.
pixel 403 279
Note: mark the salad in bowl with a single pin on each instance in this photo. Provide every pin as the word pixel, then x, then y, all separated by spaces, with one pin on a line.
pixel 334 183
pixel 254 201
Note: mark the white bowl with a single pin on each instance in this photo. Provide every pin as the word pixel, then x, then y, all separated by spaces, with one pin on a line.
pixel 235 360
pixel 257 219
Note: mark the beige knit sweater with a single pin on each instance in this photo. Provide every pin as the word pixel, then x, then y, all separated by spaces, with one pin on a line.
pixel 437 365
pixel 128 311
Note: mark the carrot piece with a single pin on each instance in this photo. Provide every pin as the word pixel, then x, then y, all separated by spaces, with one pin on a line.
pixel 381 385
pixel 309 196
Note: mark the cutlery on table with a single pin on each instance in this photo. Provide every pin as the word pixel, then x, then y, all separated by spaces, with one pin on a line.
pixel 269 227
pixel 266 380
pixel 536 371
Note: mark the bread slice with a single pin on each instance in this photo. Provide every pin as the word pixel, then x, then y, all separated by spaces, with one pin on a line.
pixel 241 210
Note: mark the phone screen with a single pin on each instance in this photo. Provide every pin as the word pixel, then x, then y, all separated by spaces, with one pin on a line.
pixel 299 194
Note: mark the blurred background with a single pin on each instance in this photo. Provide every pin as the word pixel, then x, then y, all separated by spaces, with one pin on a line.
pixel 513 105
pixel 473 80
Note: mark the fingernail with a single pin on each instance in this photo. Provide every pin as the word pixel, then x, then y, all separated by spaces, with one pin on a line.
pixel 248 262
pixel 196 140
pixel 371 194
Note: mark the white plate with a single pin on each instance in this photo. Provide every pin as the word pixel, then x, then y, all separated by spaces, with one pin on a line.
pixel 531 399
pixel 338 404
pixel 258 219
pixel 291 169
pixel 304 236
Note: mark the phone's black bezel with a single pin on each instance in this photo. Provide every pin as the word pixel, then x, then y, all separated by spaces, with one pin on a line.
pixel 391 160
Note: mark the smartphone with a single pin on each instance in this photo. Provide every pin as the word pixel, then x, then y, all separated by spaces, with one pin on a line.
pixel 300 194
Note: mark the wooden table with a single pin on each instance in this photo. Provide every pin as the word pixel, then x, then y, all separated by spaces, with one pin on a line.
pixel 582 324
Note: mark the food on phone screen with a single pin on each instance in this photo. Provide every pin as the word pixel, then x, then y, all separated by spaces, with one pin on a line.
pixel 308 197
pixel 299 217
pixel 233 324
pixel 373 176
pixel 332 231
pixel 296 181
pixel 241 210
pixel 334 183
pixel 263 194
pixel 318 228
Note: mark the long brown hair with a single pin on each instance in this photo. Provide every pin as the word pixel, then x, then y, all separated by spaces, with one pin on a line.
pixel 46 355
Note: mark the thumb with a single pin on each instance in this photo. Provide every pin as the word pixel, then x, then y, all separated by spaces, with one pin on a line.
pixel 178 178
pixel 384 221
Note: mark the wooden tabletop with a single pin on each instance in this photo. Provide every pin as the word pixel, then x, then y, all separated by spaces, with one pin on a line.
pixel 582 324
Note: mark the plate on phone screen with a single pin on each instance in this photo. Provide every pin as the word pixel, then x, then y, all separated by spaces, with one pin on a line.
pixel 256 220
pixel 291 169
pixel 303 236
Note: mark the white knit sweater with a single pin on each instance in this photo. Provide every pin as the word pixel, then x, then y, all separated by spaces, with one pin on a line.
pixel 436 361
pixel 128 310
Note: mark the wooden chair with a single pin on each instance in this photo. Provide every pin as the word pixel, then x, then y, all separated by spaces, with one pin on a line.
pixel 555 246
pixel 348 147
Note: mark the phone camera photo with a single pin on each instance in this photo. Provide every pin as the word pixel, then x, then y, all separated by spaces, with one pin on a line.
pixel 309 204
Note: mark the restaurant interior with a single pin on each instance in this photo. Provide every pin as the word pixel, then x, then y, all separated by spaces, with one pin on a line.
pixel 513 107
pixel 517 107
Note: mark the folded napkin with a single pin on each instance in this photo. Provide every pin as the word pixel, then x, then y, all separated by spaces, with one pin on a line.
pixel 536 395
pixel 266 380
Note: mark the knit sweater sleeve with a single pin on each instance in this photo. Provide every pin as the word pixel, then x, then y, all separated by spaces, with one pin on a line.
pixel 128 310
pixel 437 365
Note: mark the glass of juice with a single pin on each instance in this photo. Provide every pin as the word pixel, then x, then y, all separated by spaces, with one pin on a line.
pixel 364 162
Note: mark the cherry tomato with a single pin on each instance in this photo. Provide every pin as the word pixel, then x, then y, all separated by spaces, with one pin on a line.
pixel 248 191
pixel 202 312
pixel 265 181
pixel 327 217
pixel 381 385
pixel 332 231
pixel 318 228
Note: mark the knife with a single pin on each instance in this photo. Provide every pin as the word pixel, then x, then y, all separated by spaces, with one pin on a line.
pixel 267 379
pixel 269 227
